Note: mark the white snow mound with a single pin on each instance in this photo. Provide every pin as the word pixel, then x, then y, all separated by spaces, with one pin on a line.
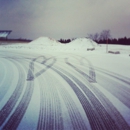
pixel 83 42
pixel 48 44
pixel 45 41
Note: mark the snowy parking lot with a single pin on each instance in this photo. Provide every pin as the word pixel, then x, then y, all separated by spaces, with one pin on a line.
pixel 64 87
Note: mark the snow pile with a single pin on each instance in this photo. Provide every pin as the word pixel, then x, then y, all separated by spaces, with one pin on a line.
pixel 44 41
pixel 48 44
pixel 81 44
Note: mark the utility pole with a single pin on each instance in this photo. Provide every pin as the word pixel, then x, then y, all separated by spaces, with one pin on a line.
pixel 107 46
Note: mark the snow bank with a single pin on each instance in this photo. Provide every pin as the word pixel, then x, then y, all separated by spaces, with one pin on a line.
pixel 45 41
pixel 83 42
pixel 45 44
pixel 77 44
pixel 49 44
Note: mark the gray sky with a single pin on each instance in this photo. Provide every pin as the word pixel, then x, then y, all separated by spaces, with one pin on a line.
pixel 64 18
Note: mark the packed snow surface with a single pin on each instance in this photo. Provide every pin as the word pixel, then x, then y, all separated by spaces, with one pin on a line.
pixel 46 85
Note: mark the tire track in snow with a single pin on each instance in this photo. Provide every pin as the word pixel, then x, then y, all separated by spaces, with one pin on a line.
pixel 118 90
pixel 16 117
pixel 46 121
pixel 116 76
pixel 126 80
pixel 50 111
pixel 121 78
pixel 74 114
pixel 119 120
pixel 93 109
pixel 19 112
pixel 49 66
pixel 121 92
pixel 8 107
pixel 32 76
pixel 95 122
pixel 3 72
pixel 4 85
pixel 92 74
pixel 113 112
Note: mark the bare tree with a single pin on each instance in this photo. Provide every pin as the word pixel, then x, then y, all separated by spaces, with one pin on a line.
pixel 94 37
pixel 90 36
pixel 105 35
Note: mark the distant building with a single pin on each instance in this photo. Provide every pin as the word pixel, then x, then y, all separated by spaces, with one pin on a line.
pixel 4 33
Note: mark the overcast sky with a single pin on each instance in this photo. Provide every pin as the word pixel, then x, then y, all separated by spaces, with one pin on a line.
pixel 64 18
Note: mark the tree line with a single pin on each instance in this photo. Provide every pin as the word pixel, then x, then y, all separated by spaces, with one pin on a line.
pixel 64 41
pixel 121 41
pixel 105 37
pixel 101 38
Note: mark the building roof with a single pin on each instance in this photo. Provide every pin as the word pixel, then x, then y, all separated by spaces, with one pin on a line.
pixel 4 33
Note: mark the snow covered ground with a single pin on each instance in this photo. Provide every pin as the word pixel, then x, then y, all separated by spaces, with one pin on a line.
pixel 46 85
